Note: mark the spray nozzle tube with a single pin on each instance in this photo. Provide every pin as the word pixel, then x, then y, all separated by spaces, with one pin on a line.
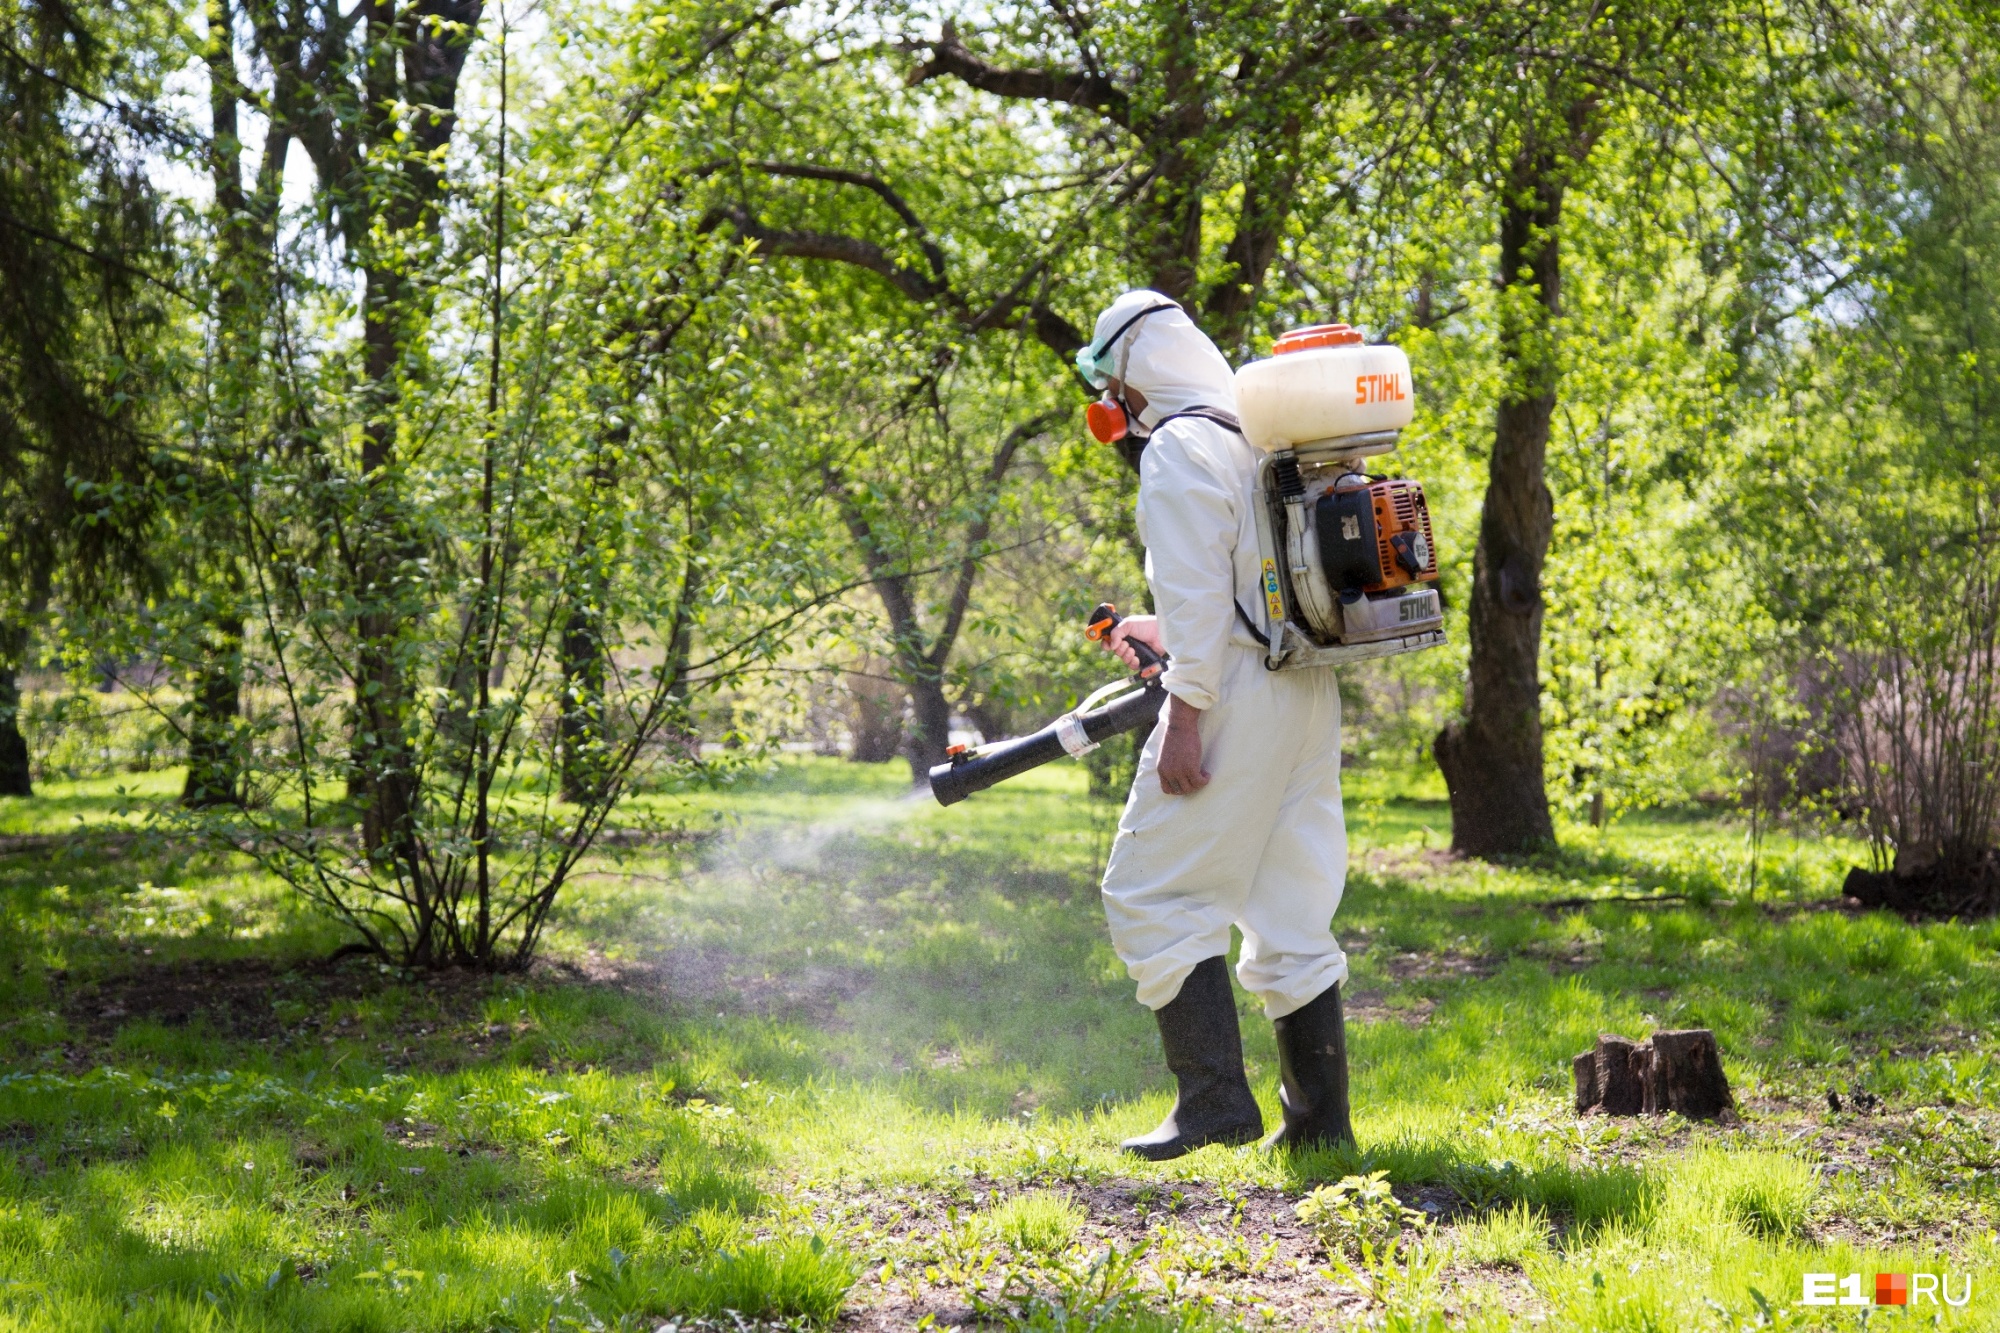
pixel 976 770
pixel 1076 733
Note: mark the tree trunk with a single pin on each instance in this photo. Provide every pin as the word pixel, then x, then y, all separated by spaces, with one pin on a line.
pixel 1492 757
pixel 244 236
pixel 383 779
pixel 214 773
pixel 430 43
pixel 930 720
pixel 16 779
pixel 581 723
pixel 385 769
pixel 874 715
pixel 1270 187
pixel 1167 219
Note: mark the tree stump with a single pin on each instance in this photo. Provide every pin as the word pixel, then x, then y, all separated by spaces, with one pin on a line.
pixel 1608 1079
pixel 1674 1071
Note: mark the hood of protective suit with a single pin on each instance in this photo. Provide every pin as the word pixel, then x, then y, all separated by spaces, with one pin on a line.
pixel 1166 358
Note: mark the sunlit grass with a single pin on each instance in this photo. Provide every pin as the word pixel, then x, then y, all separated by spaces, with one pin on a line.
pixel 860 990
pixel 1037 1221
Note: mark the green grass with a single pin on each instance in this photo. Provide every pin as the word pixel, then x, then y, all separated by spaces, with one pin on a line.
pixel 1505 1237
pixel 857 1048
pixel 1038 1221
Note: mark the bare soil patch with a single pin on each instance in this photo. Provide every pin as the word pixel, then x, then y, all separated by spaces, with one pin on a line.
pixel 1444 964
pixel 1372 1006
pixel 1409 862
pixel 1241 1248
pixel 269 1003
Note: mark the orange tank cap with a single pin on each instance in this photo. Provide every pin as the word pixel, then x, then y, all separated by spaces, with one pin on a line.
pixel 1316 335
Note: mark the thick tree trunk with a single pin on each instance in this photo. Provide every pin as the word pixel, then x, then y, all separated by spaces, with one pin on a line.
pixel 383 779
pixel 1166 227
pixel 1492 757
pixel 930 721
pixel 384 768
pixel 430 43
pixel 16 779
pixel 874 714
pixel 1269 189
pixel 245 233
pixel 214 775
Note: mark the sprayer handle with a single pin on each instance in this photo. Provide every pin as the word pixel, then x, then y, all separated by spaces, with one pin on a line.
pixel 1105 619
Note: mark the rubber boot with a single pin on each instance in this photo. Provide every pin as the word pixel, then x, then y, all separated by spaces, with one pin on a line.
pixel 1312 1075
pixel 1205 1052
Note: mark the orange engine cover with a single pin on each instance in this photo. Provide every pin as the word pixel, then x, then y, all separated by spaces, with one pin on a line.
pixel 1376 537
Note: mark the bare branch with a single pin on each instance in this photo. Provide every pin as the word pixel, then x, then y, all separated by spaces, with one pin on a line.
pixel 977 531
pixel 827 245
pixel 1072 87
pixel 879 187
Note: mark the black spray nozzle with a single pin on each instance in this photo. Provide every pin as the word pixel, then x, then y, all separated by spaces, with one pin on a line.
pixel 971 771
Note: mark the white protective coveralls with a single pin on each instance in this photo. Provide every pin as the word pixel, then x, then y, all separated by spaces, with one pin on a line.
pixel 1264 845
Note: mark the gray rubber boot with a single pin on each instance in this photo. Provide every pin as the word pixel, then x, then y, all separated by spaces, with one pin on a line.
pixel 1312 1075
pixel 1205 1052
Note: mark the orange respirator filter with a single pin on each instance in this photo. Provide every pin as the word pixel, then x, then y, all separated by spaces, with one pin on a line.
pixel 1107 421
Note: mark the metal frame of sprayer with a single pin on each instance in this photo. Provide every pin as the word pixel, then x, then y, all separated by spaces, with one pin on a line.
pixel 1291 572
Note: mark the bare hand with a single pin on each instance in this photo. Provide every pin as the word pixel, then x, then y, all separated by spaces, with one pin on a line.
pixel 1181 773
pixel 1146 629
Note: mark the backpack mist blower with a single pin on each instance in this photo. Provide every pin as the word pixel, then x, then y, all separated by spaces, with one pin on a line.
pixel 1346 559
pixel 1075 733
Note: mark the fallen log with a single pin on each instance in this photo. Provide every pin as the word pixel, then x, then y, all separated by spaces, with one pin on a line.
pixel 1672 1071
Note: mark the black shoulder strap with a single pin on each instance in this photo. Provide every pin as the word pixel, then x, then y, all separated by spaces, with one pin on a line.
pixel 1213 415
pixel 1250 624
pixel 1133 447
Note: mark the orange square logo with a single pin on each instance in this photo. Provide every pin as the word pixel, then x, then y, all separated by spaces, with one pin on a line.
pixel 1892 1288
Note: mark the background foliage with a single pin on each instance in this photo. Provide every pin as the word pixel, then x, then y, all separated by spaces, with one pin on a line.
pixel 520 409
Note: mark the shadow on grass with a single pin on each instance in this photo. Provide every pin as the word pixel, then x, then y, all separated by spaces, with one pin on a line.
pixel 1584 1197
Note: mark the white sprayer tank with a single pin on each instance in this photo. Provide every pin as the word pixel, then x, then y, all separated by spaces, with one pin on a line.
pixel 1323 383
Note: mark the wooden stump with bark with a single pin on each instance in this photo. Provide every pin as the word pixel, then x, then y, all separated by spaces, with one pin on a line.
pixel 1673 1071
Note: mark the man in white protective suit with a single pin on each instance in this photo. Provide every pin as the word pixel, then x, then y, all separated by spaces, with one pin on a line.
pixel 1235 814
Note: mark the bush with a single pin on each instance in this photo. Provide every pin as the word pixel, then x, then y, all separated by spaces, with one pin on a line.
pixel 1357 1211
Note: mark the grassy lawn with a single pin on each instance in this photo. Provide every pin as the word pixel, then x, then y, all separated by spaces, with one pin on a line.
pixel 852 1058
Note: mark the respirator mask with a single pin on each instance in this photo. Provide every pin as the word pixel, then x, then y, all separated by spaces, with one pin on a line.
pixel 1111 419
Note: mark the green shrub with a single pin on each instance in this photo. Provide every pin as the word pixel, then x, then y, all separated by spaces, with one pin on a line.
pixel 1357 1211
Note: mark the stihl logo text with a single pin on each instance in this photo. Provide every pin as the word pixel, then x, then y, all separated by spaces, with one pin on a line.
pixel 1380 389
